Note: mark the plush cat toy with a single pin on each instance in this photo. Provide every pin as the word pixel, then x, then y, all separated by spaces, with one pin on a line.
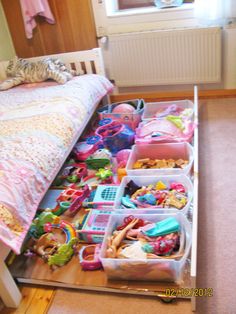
pixel 24 71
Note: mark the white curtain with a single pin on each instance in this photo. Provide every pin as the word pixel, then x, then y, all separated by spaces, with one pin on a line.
pixel 215 11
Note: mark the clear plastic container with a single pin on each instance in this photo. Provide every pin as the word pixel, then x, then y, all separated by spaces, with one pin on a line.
pixel 147 180
pixel 152 108
pixel 160 151
pixel 170 270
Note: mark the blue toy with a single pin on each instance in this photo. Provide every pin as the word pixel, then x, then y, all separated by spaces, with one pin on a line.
pixel 116 136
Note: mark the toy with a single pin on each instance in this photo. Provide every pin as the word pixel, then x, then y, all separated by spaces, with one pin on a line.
pixel 165 131
pixel 155 196
pixel 116 239
pixel 75 195
pixel 127 112
pixel 89 257
pixel 123 108
pixel 147 163
pixel 122 157
pixel 72 173
pixel 82 150
pixel 94 225
pixel 162 239
pixel 104 174
pixel 105 195
pixel 65 226
pixel 99 159
pixel 116 136
pixel 63 253
pixel 37 226
pixel 46 245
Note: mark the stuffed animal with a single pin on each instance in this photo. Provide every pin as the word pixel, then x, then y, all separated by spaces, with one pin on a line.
pixel 24 71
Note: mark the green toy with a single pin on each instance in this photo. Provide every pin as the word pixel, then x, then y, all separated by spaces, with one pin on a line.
pixel 177 121
pixel 103 174
pixel 63 254
pixel 37 226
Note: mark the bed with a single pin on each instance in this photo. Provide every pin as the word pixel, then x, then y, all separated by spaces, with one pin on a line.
pixel 39 125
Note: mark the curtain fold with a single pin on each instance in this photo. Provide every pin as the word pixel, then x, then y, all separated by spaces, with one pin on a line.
pixel 215 11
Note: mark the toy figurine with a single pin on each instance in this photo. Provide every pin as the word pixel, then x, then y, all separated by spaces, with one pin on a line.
pixel 46 245
pixel 104 174
pixel 99 159
pixel 37 226
pixel 63 254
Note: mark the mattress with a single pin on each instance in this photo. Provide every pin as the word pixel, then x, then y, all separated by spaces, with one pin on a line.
pixel 39 124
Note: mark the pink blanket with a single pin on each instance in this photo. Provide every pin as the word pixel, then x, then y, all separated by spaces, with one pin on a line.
pixel 38 128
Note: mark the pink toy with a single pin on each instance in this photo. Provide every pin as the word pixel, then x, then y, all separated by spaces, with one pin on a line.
pixel 122 156
pixel 163 131
pixel 128 112
pixel 116 136
pixel 123 108
pixel 83 150
pixel 89 257
pixel 75 196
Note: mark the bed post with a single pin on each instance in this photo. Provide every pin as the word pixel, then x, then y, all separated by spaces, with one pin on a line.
pixel 9 291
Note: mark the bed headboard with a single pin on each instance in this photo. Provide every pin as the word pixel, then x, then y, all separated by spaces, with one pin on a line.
pixel 84 62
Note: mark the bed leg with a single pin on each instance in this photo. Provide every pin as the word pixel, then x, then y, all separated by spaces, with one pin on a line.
pixel 9 291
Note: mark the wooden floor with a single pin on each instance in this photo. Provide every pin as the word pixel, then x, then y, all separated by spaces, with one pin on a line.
pixel 33 298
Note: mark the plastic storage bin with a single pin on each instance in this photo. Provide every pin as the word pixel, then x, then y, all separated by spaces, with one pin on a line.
pixel 147 180
pixel 130 119
pixel 152 108
pixel 160 151
pixel 146 269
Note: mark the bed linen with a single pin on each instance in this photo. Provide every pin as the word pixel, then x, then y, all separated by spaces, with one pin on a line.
pixel 39 124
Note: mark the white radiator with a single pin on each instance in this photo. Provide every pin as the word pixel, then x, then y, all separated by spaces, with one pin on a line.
pixel 165 57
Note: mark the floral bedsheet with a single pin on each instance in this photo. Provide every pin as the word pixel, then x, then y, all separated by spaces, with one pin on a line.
pixel 39 123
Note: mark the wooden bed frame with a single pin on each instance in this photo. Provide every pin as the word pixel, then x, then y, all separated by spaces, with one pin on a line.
pixel 84 62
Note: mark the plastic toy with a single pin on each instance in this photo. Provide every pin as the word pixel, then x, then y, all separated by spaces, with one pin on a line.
pixel 166 226
pixel 116 136
pixel 37 226
pixel 123 108
pixel 89 257
pixel 94 225
pixel 155 196
pixel 99 159
pixel 105 175
pixel 128 112
pixel 72 173
pixel 46 245
pixel 147 163
pixel 63 254
pixel 75 196
pixel 116 239
pixel 65 226
pixel 82 150
pixel 165 131
pixel 105 195
pixel 127 220
pixel 163 246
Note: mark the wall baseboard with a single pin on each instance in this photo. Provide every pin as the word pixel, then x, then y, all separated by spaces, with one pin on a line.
pixel 176 95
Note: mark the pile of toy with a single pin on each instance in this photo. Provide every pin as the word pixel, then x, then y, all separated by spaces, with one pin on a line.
pixel 89 183
pixel 158 196
pixel 148 163
pixel 140 239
